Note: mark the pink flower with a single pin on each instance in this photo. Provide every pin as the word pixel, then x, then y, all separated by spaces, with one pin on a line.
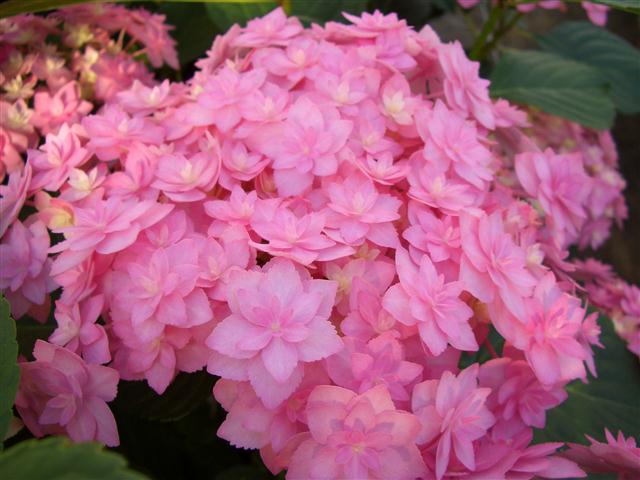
pixel 439 237
pixel 298 238
pixel 518 399
pixel 151 30
pixel 14 194
pixel 367 317
pixel 361 366
pixel 239 164
pixel 60 394
pixel 453 415
pixel 596 12
pixel 65 106
pixel 115 73
pixel 142 99
pixel 372 24
pixel 272 29
pixel 619 455
pixel 559 183
pixel 113 132
pixel 107 226
pixel 492 264
pixel 463 88
pixel 554 322
pixel 278 322
pixel 53 162
pixel 397 102
pixel 382 169
pixel 236 210
pixel 356 211
pixel 25 268
pixel 451 141
pixel 185 178
pixel 357 436
pixel 78 331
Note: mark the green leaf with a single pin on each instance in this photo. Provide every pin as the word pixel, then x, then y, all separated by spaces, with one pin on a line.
pixel 194 31
pixel 224 14
pixel 554 84
pixel 9 370
pixel 631 6
pixel 609 401
pixel 313 11
pixel 616 60
pixel 56 458
pixel 186 393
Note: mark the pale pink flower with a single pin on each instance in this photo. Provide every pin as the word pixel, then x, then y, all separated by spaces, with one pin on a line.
pixel 189 178
pixel 382 169
pixel 357 436
pixel 619 455
pixel 369 25
pixel 439 237
pixel 82 184
pixel 294 62
pixel 236 210
pixel 142 99
pixel 65 106
pixel 453 415
pixel 25 269
pixel 278 322
pixel 60 394
pixel 397 102
pixel 113 132
pixel 423 298
pixel 272 29
pixel 151 30
pixel 239 164
pixel 357 211
pixel 367 317
pixel 518 399
pixel 361 366
pixel 14 194
pixel 53 162
pixel 492 264
pixel 78 331
pixel 107 226
pixel 452 141
pixel 115 73
pixel 559 183
pixel 463 88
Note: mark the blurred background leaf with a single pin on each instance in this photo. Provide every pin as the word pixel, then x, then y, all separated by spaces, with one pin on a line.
pixel 9 370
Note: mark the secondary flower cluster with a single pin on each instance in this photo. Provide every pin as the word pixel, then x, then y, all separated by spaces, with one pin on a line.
pixel 326 219
pixel 53 67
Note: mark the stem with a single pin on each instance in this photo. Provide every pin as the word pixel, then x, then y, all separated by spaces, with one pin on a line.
pixel 489 347
pixel 487 29
pixel 499 34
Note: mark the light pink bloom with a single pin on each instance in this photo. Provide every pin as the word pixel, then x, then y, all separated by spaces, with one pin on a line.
pixel 559 183
pixel 423 298
pixel 115 73
pixel 278 322
pixel 452 141
pixel 78 331
pixel 14 194
pixel 60 394
pixel 453 414
pixel 367 317
pixel 236 210
pixel 463 88
pixel 518 399
pixel 142 99
pixel 361 366
pixel 619 455
pixel 65 106
pixel 439 237
pixel 272 29
pixel 397 102
pixel 151 30
pixel 294 62
pixel 356 437
pixel 53 162
pixel 382 169
pixel 357 211
pixel 107 226
pixel 369 25
pixel 24 268
pixel 492 264
pixel 113 132
pixel 185 178
pixel 239 164
pixel 298 238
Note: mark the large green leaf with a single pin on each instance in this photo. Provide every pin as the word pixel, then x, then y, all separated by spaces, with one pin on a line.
pixel 617 61
pixel 9 370
pixel 225 14
pixel 56 458
pixel 313 11
pixel 632 6
pixel 554 84
pixel 610 401
pixel 186 393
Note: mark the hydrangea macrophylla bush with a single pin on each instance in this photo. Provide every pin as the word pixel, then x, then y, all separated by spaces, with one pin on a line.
pixel 326 219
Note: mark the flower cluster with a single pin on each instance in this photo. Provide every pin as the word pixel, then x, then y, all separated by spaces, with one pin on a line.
pixel 596 12
pixel 54 68
pixel 326 219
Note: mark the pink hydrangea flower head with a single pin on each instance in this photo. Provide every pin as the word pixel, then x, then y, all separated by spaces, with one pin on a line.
pixel 188 178
pixel 278 322
pixel 618 454
pixel 60 393
pixel 357 436
pixel 453 415
pixel 423 298
pixel 272 29
pixel 14 194
pixel 439 237
pixel 65 106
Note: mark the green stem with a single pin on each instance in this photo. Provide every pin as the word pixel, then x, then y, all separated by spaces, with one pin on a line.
pixel 499 34
pixel 487 29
